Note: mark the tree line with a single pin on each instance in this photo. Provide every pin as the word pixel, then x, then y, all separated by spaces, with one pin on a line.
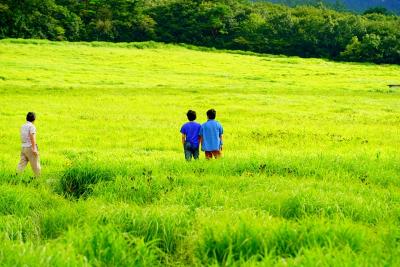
pixel 305 31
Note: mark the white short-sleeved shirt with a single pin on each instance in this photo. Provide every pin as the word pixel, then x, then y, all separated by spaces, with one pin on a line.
pixel 26 129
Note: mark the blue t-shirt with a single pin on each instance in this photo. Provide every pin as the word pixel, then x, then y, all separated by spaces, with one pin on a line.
pixel 191 129
pixel 211 132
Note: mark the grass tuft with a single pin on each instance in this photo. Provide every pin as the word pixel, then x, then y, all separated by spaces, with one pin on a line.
pixel 78 179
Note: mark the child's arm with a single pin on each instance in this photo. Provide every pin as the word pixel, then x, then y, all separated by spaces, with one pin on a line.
pixel 201 135
pixel 183 138
pixel 220 137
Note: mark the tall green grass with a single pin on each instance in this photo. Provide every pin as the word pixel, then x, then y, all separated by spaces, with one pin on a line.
pixel 309 177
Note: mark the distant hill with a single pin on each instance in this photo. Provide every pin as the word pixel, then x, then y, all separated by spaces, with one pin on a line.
pixel 354 5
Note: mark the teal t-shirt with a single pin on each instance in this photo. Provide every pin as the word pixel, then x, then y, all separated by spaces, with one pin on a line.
pixel 210 132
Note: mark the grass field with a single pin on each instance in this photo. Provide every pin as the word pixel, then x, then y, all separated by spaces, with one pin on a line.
pixel 310 174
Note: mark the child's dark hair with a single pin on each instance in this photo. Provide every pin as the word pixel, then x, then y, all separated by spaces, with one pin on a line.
pixel 191 115
pixel 31 116
pixel 211 113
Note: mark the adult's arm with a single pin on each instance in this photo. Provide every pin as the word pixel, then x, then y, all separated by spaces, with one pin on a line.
pixel 220 137
pixel 32 137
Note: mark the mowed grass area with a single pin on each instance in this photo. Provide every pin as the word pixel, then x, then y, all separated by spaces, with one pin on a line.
pixel 310 174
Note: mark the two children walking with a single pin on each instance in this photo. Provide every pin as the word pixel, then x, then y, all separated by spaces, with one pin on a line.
pixel 209 135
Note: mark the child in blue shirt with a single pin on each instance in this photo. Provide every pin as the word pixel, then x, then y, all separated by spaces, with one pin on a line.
pixel 211 136
pixel 190 136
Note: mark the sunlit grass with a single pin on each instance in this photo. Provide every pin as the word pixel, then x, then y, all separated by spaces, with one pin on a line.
pixel 310 174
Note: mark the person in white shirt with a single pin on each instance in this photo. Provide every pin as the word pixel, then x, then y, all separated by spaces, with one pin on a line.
pixel 29 151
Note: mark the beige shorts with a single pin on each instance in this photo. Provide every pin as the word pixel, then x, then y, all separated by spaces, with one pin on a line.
pixel 27 155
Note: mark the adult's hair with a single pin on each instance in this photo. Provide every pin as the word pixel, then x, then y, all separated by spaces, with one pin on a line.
pixel 31 116
pixel 211 113
pixel 191 115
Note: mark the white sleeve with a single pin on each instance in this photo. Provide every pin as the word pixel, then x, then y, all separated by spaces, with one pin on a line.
pixel 32 129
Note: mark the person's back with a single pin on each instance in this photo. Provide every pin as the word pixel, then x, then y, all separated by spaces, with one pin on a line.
pixel 190 136
pixel 211 136
pixel 26 130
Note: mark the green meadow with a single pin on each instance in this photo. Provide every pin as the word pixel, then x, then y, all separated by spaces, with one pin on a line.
pixel 310 174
